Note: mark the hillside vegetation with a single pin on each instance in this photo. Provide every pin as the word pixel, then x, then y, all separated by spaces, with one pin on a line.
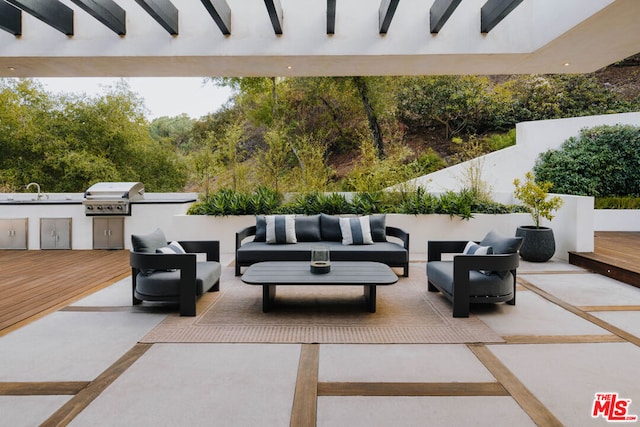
pixel 293 134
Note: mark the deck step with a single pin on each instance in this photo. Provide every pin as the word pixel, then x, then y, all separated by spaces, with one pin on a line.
pixel 605 266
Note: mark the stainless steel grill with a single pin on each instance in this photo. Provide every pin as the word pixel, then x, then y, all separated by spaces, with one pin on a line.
pixel 111 198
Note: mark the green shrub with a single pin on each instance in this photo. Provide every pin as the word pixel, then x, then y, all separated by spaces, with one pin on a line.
pixel 463 204
pixel 601 161
pixel 617 203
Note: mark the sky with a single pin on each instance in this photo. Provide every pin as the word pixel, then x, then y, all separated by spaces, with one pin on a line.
pixel 163 96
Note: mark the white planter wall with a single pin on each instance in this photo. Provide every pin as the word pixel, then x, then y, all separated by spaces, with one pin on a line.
pixel 616 220
pixel 573 228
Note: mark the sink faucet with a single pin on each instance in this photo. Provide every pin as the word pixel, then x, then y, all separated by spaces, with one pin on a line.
pixel 37 188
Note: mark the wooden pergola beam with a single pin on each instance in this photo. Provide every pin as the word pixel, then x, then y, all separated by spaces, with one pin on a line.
pixel 440 13
pixel 106 11
pixel 495 11
pixel 51 12
pixel 221 14
pixel 275 14
pixel 164 12
pixel 387 10
pixel 10 19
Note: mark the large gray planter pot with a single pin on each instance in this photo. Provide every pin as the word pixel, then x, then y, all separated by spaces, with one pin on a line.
pixel 538 244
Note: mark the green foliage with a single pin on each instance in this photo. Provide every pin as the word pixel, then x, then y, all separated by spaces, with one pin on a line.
pixel 315 203
pixel 67 143
pixel 498 141
pixel 229 202
pixel 453 102
pixel 176 131
pixel 617 202
pixel 534 196
pixel 600 161
pixel 264 201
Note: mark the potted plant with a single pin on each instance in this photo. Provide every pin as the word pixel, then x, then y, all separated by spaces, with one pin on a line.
pixel 538 243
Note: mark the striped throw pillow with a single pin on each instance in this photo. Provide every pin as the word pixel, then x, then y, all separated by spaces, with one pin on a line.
pixel 172 248
pixel 473 248
pixel 281 229
pixel 356 231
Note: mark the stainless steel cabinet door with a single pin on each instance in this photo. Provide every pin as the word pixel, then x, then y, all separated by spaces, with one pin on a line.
pixel 13 233
pixel 108 233
pixel 55 233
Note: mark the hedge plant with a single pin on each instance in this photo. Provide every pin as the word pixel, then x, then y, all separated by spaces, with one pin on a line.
pixel 600 161
pixel 462 204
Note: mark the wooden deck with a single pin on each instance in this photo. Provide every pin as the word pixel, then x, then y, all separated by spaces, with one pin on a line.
pixel 35 283
pixel 616 254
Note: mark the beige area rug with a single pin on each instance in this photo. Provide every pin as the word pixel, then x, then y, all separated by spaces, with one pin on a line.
pixel 406 313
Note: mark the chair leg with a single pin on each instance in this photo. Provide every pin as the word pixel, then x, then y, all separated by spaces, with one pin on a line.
pixel 216 287
pixel 431 288
pixel 460 307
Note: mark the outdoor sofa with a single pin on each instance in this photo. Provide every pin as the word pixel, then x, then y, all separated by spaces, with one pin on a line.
pixel 291 238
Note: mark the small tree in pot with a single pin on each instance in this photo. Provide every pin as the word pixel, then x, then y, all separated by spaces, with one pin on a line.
pixel 538 242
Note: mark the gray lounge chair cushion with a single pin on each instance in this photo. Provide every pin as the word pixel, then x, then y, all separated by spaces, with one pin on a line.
pixel 148 242
pixel 441 274
pixel 167 283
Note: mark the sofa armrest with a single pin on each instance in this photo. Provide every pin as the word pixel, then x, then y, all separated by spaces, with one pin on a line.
pixel 243 234
pixel 209 247
pixel 400 234
pixel 435 248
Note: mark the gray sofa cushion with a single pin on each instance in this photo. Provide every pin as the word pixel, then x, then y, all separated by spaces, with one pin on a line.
pixel 308 228
pixel 440 273
pixel 385 252
pixel 148 242
pixel 167 283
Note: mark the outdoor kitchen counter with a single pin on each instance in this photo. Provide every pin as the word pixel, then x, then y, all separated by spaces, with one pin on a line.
pixel 77 198
pixel 160 198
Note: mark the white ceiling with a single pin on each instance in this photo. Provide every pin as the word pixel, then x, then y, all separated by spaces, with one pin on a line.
pixel 539 36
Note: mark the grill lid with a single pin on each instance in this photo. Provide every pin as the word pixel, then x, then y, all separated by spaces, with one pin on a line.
pixel 115 190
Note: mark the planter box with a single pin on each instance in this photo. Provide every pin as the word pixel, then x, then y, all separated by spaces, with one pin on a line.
pixel 572 227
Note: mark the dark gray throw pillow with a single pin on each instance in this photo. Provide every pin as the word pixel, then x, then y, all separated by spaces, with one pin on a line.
pixel 501 244
pixel 261 229
pixel 378 227
pixel 308 228
pixel 148 242
pixel 330 228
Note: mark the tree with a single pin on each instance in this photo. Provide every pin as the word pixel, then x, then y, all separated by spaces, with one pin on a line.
pixel 176 131
pixel 66 143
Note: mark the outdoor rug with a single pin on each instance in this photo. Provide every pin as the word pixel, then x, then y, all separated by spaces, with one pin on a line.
pixel 406 313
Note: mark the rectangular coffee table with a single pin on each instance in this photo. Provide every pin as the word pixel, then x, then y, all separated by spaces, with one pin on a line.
pixel 343 273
